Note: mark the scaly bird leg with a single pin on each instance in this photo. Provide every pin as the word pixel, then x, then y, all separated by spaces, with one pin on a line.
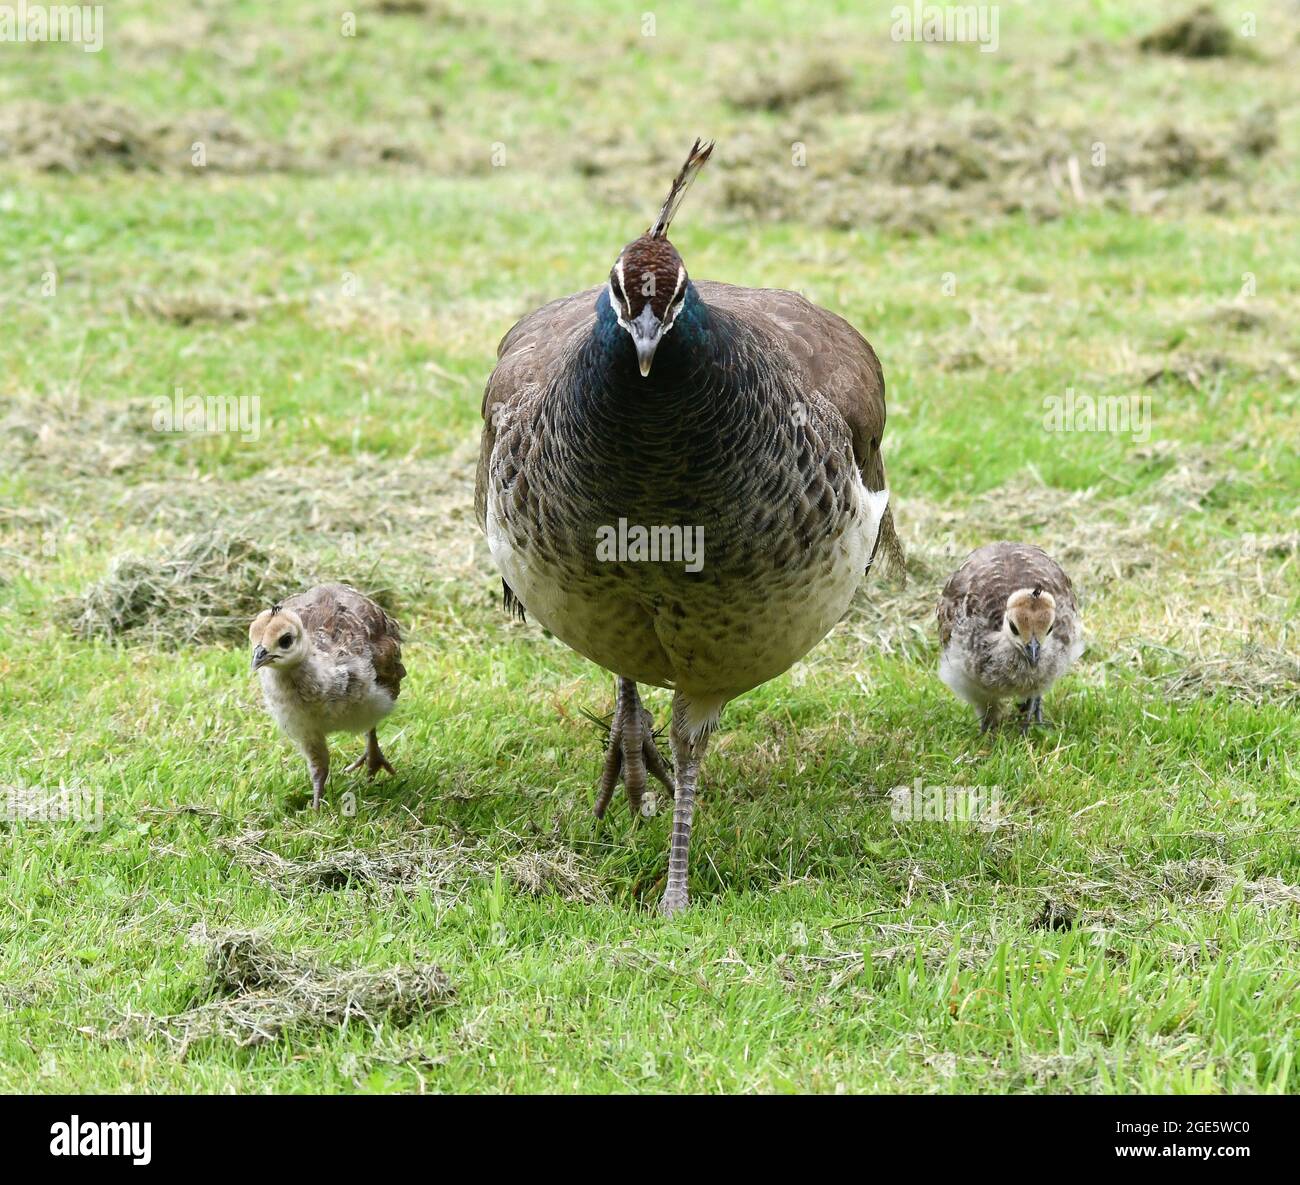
pixel 1032 713
pixel 631 752
pixel 1026 709
pixel 688 753
pixel 372 759
pixel 318 765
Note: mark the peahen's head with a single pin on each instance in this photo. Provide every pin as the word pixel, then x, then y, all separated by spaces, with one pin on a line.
pixel 647 284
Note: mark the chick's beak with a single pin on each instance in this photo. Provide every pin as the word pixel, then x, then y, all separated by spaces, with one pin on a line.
pixel 1032 651
pixel 261 656
pixel 647 330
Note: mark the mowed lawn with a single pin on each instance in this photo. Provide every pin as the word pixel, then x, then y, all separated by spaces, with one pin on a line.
pixel 373 212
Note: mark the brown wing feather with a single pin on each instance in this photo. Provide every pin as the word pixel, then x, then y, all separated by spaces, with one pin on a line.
pixel 526 357
pixel 833 358
pixel 346 621
pixel 950 603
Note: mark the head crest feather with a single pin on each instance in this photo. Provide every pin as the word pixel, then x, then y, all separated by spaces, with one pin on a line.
pixel 699 154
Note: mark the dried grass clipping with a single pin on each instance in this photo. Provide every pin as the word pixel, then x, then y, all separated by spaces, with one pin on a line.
pixel 380 867
pixel 560 872
pixel 256 993
pixel 206 588
pixel 1254 675
pixel 1200 33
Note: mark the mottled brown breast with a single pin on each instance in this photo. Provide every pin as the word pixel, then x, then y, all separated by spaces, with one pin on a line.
pixel 527 358
pixel 831 357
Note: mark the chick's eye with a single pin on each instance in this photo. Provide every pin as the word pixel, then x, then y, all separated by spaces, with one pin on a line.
pixel 284 642
pixel 1015 631
pixel 1050 628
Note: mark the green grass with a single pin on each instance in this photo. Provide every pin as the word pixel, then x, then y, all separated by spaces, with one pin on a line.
pixel 829 946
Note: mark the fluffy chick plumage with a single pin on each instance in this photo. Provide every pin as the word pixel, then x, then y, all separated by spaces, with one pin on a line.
pixel 1009 627
pixel 329 660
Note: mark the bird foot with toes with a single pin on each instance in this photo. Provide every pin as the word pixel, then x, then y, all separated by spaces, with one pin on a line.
pixel 372 760
pixel 631 755
pixel 1031 713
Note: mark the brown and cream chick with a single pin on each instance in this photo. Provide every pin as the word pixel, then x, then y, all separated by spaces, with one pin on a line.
pixel 329 660
pixel 1009 627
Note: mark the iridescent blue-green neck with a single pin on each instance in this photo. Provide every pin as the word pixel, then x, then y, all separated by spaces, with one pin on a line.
pixel 681 351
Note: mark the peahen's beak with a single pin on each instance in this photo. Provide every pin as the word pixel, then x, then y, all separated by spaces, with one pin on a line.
pixel 1032 651
pixel 646 330
pixel 261 656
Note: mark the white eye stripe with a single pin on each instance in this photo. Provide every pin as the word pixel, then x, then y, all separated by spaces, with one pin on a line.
pixel 622 306
pixel 679 299
pixel 622 286
pixel 617 306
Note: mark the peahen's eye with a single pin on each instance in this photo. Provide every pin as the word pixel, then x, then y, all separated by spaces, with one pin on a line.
pixel 1015 631
pixel 285 641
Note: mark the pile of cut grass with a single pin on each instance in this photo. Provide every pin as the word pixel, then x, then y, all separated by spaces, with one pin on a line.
pixel 206 588
pixel 255 992
pixel 1200 33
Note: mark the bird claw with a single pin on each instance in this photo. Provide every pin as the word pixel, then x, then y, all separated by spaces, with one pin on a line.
pixel 630 756
pixel 372 760
pixel 1031 712
pixel 371 767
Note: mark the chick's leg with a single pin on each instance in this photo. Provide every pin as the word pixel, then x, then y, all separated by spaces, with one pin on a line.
pixel 318 765
pixel 1032 713
pixel 1026 709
